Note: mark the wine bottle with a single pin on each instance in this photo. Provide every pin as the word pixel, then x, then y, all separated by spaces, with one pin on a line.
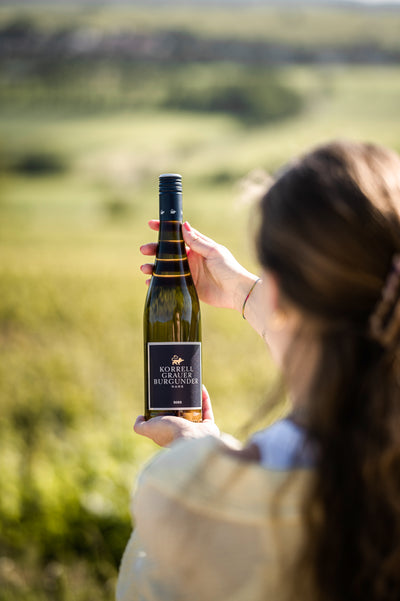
pixel 172 329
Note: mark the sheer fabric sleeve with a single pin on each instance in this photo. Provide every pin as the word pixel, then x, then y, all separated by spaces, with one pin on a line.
pixel 208 526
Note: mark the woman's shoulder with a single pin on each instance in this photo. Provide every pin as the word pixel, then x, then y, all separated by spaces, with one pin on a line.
pixel 200 506
pixel 189 464
pixel 204 473
pixel 285 445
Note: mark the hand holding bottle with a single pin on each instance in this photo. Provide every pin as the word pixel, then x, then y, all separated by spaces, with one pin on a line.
pixel 165 429
pixel 219 279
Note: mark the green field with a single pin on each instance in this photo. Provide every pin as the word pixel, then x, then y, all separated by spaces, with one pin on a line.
pixel 72 296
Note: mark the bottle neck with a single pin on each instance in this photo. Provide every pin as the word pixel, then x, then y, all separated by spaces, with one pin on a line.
pixel 171 258
pixel 171 206
pixel 170 228
pixel 170 238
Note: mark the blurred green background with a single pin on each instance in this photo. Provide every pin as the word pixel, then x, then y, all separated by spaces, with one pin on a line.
pixel 95 101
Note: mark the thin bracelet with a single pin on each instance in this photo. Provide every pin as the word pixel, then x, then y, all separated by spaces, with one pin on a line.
pixel 248 296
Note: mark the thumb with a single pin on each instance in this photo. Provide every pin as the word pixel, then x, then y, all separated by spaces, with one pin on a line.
pixel 206 406
pixel 140 425
pixel 198 242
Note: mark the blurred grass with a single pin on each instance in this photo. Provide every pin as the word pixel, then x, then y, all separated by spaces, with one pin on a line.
pixel 71 294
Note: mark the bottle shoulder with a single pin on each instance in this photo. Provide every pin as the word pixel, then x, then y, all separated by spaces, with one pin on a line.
pixel 172 290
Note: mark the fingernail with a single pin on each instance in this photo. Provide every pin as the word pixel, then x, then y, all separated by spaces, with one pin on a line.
pixel 187 226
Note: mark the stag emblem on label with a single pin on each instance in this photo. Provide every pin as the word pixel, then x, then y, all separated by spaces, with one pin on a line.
pixel 176 360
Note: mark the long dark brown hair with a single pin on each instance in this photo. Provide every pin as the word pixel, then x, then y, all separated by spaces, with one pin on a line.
pixel 330 232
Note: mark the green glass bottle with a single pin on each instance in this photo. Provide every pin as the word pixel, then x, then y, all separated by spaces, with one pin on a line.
pixel 172 328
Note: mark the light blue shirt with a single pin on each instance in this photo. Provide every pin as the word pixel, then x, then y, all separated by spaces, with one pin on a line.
pixel 284 446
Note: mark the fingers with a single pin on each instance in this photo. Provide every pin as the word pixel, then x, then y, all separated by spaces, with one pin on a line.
pixel 147 268
pixel 139 424
pixel 149 249
pixel 146 427
pixel 154 224
pixel 163 429
pixel 197 241
pixel 206 406
pixel 194 239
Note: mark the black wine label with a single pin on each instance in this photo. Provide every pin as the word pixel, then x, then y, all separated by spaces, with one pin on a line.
pixel 174 375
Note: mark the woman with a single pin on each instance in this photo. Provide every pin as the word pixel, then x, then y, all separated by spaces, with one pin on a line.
pixel 310 508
